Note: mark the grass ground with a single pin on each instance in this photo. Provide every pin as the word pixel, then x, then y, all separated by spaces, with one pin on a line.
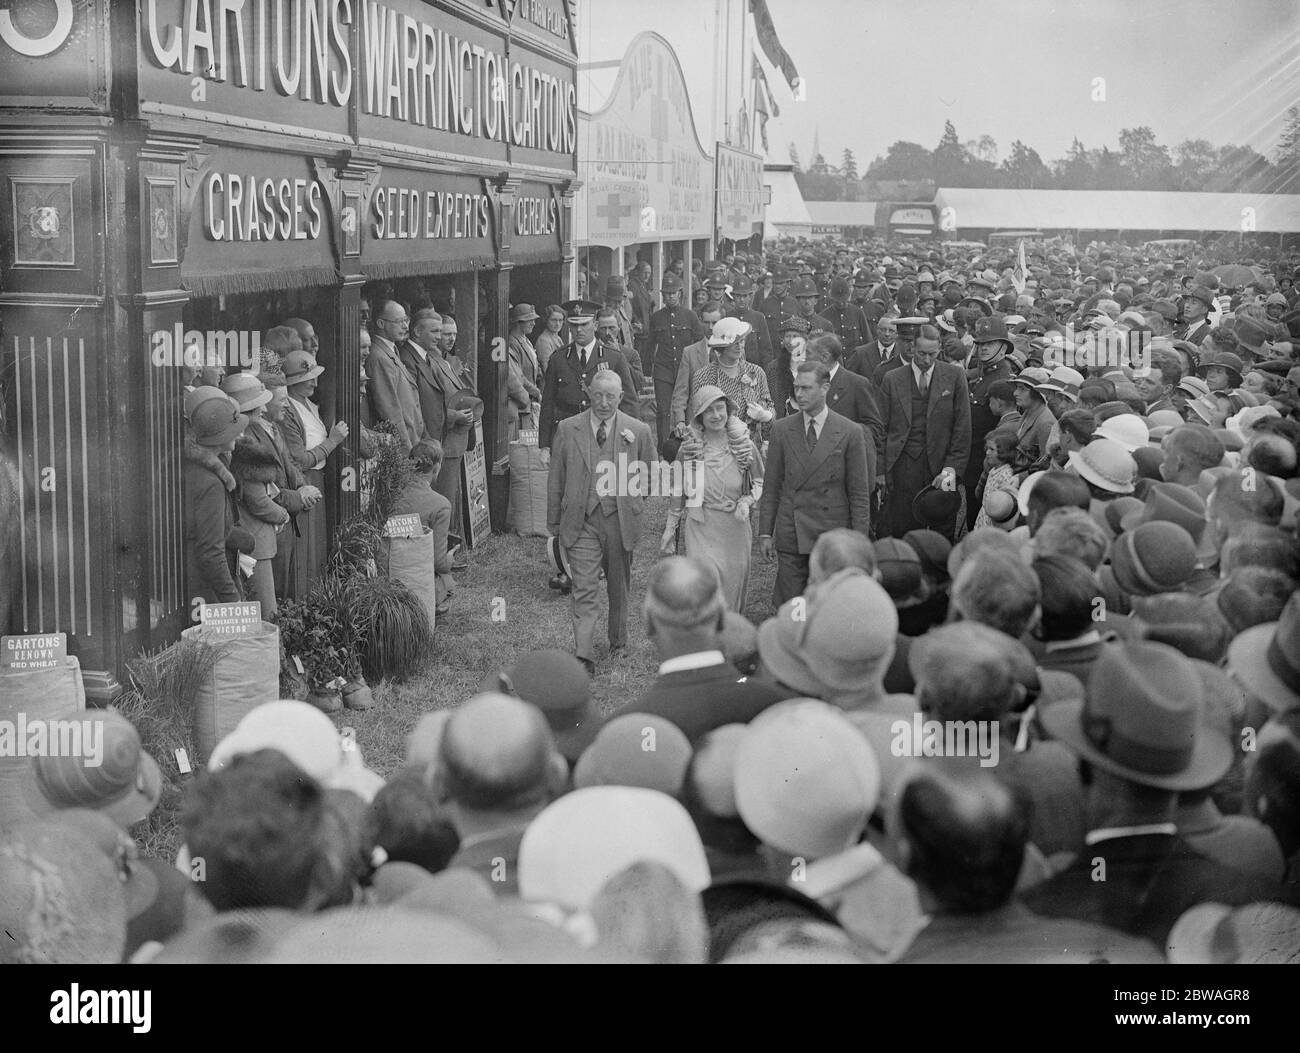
pixel 502 611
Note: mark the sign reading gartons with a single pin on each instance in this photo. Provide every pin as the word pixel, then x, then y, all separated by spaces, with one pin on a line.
pixel 645 175
pixel 740 192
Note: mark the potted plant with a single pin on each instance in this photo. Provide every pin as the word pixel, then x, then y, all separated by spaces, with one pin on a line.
pixel 315 636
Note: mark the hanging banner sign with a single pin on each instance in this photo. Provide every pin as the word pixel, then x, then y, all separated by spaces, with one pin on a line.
pixel 740 192
pixel 645 175
pixel 421 222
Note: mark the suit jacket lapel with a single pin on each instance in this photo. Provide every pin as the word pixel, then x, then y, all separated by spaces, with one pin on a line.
pixel 588 444
pixel 933 393
pixel 826 443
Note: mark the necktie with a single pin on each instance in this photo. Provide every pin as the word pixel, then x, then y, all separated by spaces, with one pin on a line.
pixel 601 434
pixel 925 384
pixel 812 434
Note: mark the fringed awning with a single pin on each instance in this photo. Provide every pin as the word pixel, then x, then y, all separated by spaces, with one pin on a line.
pixel 228 284
pixel 419 268
pixel 525 254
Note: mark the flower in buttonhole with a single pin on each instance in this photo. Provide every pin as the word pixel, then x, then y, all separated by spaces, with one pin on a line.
pixel 628 437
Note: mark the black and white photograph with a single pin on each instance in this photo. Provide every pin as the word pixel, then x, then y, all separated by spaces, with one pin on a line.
pixel 668 482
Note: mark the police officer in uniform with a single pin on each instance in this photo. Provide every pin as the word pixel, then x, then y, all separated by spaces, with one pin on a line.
pixel 807 295
pixel 758 345
pixel 849 321
pixel 564 388
pixel 779 304
pixel 672 328
pixel 988 365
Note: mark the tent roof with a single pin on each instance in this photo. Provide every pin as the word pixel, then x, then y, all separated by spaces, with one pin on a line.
pixel 787 205
pixel 1136 210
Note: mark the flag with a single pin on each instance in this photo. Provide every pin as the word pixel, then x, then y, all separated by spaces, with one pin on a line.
pixel 772 46
pixel 764 104
pixel 1021 275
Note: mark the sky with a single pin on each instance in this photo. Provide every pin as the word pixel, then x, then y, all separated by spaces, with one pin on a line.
pixel 878 71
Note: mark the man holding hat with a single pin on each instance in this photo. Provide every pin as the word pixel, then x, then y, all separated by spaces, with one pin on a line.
pixel 926 410
pixel 1142 735
pixel 672 328
pixel 598 529
pixel 571 369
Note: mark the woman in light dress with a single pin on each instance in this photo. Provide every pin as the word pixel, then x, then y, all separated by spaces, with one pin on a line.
pixel 723 474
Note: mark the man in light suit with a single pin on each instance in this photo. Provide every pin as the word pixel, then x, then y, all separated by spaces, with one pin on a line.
pixel 593 511
pixel 818 477
pixel 925 407
pixel 392 392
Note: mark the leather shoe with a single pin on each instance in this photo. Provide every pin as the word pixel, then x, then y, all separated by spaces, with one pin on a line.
pixel 561 582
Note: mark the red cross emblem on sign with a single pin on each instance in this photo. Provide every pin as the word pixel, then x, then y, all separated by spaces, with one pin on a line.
pixel 614 210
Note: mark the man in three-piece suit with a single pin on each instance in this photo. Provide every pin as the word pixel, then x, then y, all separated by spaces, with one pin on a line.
pixel 590 509
pixel 925 407
pixel 818 477
pixel 391 389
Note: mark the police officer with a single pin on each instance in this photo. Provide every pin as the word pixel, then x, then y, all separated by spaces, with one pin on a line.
pixel 779 304
pixel 807 295
pixel 758 345
pixel 849 321
pixel 989 365
pixel 672 328
pixel 564 388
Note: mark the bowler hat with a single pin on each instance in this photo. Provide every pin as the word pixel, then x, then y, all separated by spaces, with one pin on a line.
pixel 936 508
pixel 557 684
pixel 1142 719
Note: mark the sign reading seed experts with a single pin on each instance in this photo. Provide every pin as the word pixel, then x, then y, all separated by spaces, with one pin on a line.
pixel 645 175
pixel 42 651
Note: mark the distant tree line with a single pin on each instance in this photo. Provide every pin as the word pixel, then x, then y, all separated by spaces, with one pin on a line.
pixel 1140 163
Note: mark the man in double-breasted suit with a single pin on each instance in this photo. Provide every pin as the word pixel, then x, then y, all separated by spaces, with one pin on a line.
pixel 818 477
pixel 925 407
pixel 595 506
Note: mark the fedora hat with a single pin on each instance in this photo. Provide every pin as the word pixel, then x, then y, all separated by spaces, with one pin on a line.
pixel 1106 464
pixel 1265 659
pixel 1142 719
pixel 1172 503
pixel 299 366
pixel 555 553
pixel 1152 558
pixel 247 390
pixel 844 637
pixel 523 312
pixel 935 508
